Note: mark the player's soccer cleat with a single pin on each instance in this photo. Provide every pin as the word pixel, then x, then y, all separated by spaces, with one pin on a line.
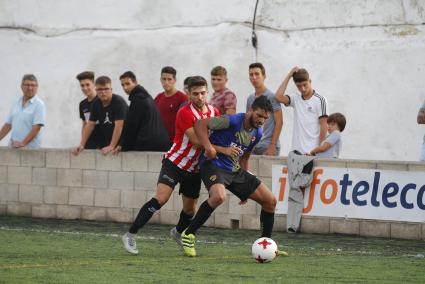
pixel 129 242
pixel 281 253
pixel 176 236
pixel 188 242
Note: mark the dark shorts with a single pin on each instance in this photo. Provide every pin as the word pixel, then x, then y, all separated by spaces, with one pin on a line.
pixel 240 183
pixel 171 175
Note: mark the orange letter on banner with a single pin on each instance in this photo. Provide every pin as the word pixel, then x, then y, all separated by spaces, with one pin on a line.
pixel 313 184
pixel 282 182
pixel 331 199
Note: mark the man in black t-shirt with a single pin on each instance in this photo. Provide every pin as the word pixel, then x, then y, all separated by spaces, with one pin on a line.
pixel 86 80
pixel 109 112
pixel 143 127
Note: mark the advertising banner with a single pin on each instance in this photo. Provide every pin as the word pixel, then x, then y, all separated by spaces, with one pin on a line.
pixel 357 193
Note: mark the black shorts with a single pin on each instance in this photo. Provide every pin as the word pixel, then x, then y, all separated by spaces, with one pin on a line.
pixel 171 175
pixel 240 183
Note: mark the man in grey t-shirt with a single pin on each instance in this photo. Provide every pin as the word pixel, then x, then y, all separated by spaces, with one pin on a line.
pixel 269 143
pixel 421 120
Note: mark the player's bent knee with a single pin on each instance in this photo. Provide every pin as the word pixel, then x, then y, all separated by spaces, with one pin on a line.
pixel 273 202
pixel 217 196
pixel 190 210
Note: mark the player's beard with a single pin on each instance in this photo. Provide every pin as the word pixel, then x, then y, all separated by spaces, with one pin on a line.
pixel 252 122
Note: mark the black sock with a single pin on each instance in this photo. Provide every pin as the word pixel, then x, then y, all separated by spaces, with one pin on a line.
pixel 184 221
pixel 144 215
pixel 200 218
pixel 267 221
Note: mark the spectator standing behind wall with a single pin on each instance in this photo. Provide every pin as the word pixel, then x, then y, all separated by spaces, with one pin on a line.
pixel 26 117
pixel 143 127
pixel 269 144
pixel 169 101
pixel 421 120
pixel 222 98
pixel 332 145
pixel 109 112
pixel 86 80
pixel 310 111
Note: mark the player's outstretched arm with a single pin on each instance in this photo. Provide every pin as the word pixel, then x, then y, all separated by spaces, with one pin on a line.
pixel 201 130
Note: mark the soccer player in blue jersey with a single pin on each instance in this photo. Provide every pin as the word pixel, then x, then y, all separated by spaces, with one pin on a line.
pixel 236 135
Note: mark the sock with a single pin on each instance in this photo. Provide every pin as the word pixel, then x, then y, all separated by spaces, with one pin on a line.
pixel 184 221
pixel 200 218
pixel 267 221
pixel 144 215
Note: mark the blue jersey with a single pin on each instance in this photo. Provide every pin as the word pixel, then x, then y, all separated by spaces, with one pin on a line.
pixel 228 130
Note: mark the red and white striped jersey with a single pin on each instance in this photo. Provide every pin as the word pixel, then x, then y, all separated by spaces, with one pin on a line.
pixel 183 154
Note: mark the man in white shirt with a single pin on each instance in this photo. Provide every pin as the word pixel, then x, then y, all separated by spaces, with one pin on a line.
pixel 310 128
pixel 310 117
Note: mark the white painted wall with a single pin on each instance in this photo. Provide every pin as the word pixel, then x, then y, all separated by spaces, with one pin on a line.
pixel 367 57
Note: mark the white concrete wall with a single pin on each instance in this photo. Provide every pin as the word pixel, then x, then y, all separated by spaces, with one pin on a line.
pixel 366 57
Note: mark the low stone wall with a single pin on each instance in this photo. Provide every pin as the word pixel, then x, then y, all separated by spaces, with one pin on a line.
pixel 52 183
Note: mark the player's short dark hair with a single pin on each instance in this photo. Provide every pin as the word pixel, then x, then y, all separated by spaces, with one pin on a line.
pixel 262 102
pixel 219 71
pixel 196 81
pixel 169 70
pixel 339 119
pixel 103 80
pixel 258 65
pixel 186 81
pixel 130 75
pixel 86 75
pixel 301 76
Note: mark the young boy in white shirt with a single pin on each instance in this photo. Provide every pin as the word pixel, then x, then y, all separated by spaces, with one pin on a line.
pixel 331 146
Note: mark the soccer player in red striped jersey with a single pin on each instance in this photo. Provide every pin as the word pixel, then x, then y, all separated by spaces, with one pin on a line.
pixel 180 165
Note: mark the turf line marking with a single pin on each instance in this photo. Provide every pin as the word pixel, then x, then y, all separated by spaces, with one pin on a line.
pixel 141 237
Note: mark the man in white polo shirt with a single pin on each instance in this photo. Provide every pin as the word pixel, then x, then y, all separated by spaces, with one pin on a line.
pixel 26 117
pixel 310 111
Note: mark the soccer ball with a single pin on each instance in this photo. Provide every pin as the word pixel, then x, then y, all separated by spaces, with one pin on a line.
pixel 264 250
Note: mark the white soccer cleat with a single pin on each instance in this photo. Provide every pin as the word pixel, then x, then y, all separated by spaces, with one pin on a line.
pixel 176 236
pixel 129 242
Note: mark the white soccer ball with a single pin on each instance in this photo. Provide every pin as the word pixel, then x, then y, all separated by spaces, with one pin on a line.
pixel 264 250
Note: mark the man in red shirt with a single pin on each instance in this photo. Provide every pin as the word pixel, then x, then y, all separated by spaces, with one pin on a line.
pixel 180 165
pixel 169 101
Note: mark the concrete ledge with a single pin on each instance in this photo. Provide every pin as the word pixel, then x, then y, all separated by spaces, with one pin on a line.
pixel 43 211
pixel 344 226
pixel 373 228
pixel 406 231
pixel 58 159
pixel 3 174
pixel 33 158
pixel 3 209
pixel 119 215
pixel 52 183
pixel 315 225
pixel 68 212
pixel 19 209
pixel 93 213
pixel 10 157
pixel 85 160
